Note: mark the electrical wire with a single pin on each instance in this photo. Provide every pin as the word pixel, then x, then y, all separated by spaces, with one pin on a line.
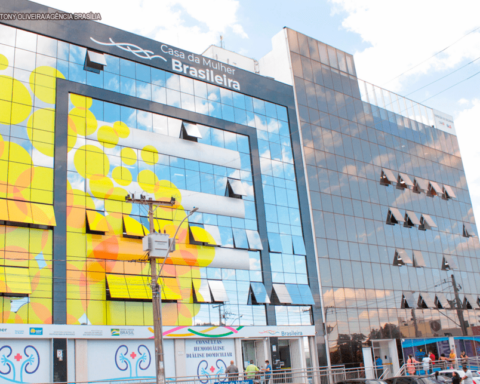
pixel 454 85
pixel 435 54
pixel 443 77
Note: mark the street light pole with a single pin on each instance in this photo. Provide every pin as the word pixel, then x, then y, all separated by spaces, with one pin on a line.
pixel 156 289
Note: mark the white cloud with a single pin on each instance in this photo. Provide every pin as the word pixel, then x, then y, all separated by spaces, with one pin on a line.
pixel 464 102
pixel 189 24
pixel 404 33
pixel 468 131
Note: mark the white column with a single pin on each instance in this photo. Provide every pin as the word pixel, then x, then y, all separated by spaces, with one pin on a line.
pixel 180 358
pixel 297 358
pixel 239 356
pixel 312 344
pixel 71 360
pixel 81 360
pixel 260 353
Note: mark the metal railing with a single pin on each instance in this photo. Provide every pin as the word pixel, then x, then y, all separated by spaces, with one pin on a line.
pixel 419 368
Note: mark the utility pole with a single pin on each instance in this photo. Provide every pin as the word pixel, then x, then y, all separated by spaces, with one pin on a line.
pixel 156 289
pixel 458 305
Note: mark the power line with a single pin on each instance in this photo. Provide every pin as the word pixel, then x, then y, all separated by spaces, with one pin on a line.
pixel 443 76
pixel 454 85
pixel 435 54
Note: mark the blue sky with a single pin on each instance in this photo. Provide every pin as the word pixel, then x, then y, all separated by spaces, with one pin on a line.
pixel 385 37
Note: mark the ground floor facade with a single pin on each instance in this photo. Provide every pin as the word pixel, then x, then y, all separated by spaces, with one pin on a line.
pixel 59 353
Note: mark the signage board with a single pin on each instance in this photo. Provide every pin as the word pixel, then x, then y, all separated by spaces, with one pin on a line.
pixel 49 331
pixel 208 359
pixel 444 122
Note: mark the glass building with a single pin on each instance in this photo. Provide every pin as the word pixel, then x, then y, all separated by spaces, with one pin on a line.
pixel 395 234
pixel 90 114
pixel 334 221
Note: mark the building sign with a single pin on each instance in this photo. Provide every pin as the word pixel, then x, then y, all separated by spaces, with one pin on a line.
pixel 186 63
pixel 444 122
pixel 49 331
pixel 127 359
pixel 209 359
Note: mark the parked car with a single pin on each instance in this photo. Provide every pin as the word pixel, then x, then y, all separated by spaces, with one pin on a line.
pixel 362 381
pixel 448 373
pixel 410 380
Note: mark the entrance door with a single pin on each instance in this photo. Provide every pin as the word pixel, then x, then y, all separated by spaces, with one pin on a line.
pixel 387 351
pixel 248 352
pixel 284 349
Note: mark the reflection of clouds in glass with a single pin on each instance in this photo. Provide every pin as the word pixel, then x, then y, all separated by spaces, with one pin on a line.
pixel 144 91
pixel 113 83
pixel 144 119
pixel 159 95
pixel 76 181
pixel 273 126
pixel 202 106
pixel 188 102
pixel 259 124
pixel 40 159
pixel 287 155
pixel 132 119
pixel 255 264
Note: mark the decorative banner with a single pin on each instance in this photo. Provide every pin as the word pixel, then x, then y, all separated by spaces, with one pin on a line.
pixel 49 331
pixel 24 361
pixel 126 359
pixel 208 359
pixel 444 122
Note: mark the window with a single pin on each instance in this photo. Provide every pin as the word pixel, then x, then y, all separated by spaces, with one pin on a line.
pixel 426 222
pixel 420 185
pixel 281 294
pixel 95 61
pixel 138 287
pixel 434 189
pixel 404 181
pixel 411 219
pixel 469 302
pixel 394 216
pixel 274 243
pixel 418 260
pixel 215 233
pixel 448 193
pixel 402 258
pixel 259 293
pixel 468 230
pixel 218 291
pixel 408 300
pixel 15 280
pixel 425 300
pixel 240 238
pixel 201 291
pixel 448 263
pixel 235 189
pixel 190 132
pixel 200 235
pixel 441 301
pixel 387 177
pixel 298 245
pixel 254 241
pixel 27 213
pixel 96 222
pixel 132 228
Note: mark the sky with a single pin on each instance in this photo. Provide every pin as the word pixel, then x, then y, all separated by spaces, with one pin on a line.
pixel 386 37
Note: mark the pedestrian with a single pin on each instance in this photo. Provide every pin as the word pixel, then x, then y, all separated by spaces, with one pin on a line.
pixel 468 378
pixel 379 365
pixel 251 371
pixel 437 379
pixel 464 359
pixel 433 358
pixel 426 364
pixel 232 371
pixel 456 378
pixel 411 365
pixel 268 372
pixel 453 358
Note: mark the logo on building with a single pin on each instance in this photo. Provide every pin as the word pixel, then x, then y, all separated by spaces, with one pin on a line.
pixel 36 331
pixel 115 332
pixel 135 49
pixel 140 359
pixel 17 363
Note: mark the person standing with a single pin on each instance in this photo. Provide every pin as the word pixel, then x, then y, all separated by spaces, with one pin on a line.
pixel 443 361
pixel 379 365
pixel 453 358
pixel 411 365
pixel 232 372
pixel 468 378
pixel 251 371
pixel 464 359
pixel 432 358
pixel 268 372
pixel 426 364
